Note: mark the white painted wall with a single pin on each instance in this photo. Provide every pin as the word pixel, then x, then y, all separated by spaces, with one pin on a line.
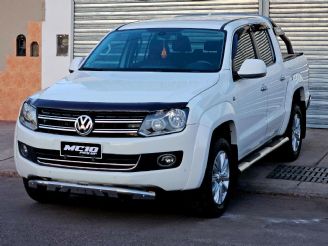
pixel 58 20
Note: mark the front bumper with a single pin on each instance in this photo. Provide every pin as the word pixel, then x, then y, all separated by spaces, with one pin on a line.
pixel 179 178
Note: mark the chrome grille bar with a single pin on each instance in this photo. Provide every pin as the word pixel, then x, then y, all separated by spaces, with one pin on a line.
pixel 66 164
pixel 86 162
pixel 61 118
pixel 119 121
pixel 115 131
pixel 84 168
pixel 57 128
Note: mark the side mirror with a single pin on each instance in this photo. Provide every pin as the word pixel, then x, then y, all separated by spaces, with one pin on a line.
pixel 252 68
pixel 75 64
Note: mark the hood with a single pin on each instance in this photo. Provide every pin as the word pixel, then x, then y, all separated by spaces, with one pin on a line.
pixel 129 87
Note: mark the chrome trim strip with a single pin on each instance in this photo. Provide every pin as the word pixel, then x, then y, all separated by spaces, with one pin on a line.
pixel 114 131
pixel 59 128
pixel 59 118
pixel 48 164
pixel 118 121
pixel 113 191
pixel 88 162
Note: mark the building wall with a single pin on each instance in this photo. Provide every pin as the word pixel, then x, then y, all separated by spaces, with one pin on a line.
pixel 21 76
pixel 58 20
pixel 14 16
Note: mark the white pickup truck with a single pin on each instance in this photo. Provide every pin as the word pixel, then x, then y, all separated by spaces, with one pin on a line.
pixel 182 104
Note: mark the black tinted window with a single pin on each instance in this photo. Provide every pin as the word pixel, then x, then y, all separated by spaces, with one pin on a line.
pixel 167 49
pixel 264 46
pixel 242 50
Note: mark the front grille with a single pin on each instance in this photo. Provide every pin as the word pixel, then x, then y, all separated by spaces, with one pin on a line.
pixel 109 162
pixel 106 124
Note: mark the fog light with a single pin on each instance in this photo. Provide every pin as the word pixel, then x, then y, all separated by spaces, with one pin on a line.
pixel 24 150
pixel 166 160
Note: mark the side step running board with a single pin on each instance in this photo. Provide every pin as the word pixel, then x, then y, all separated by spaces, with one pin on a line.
pixel 92 189
pixel 248 161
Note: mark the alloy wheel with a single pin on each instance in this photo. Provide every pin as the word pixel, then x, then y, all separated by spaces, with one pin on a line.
pixel 296 132
pixel 220 177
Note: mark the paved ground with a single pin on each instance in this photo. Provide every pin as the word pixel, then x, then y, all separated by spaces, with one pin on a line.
pixel 250 220
pixel 7 166
pixel 314 154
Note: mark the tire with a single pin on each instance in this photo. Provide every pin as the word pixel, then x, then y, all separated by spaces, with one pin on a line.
pixel 41 194
pixel 212 198
pixel 291 150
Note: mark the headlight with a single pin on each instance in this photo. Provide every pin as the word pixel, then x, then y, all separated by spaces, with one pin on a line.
pixel 28 116
pixel 164 122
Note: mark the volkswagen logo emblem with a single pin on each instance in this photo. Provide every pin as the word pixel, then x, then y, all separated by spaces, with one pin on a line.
pixel 83 125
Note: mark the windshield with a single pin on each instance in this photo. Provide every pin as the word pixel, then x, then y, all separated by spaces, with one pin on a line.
pixel 171 50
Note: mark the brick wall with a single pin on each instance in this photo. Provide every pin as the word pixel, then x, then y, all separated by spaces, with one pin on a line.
pixel 21 76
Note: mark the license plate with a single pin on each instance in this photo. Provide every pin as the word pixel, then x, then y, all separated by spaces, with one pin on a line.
pixel 80 149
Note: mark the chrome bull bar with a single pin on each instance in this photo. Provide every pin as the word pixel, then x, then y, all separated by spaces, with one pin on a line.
pixel 89 189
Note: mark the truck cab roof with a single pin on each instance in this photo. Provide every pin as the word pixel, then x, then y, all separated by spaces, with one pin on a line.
pixel 209 21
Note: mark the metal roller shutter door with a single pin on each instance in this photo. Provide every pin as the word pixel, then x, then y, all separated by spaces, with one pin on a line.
pixel 94 18
pixel 306 24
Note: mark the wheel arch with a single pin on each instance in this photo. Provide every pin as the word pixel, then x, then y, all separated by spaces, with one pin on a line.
pixel 228 131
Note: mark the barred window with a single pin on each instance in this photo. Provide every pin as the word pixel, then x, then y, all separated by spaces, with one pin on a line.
pixel 264 47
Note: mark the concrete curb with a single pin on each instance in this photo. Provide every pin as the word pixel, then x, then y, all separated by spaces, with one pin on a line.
pixel 291 193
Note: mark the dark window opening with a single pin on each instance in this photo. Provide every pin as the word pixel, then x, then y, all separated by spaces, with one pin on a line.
pixel 34 49
pixel 21 45
pixel 62 45
pixel 264 47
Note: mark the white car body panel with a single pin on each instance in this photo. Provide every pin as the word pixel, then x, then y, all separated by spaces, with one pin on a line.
pixel 251 111
pixel 129 87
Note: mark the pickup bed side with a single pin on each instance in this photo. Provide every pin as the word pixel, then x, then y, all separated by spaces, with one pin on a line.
pixel 297 76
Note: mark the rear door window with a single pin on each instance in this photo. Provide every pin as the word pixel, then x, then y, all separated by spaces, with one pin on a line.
pixel 264 46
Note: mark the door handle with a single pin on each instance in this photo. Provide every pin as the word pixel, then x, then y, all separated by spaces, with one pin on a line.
pixel 282 78
pixel 264 88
